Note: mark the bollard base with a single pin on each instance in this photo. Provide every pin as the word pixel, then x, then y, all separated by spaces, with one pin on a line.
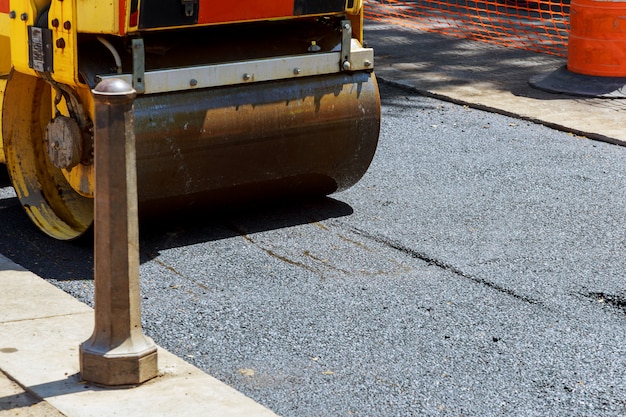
pixel 117 369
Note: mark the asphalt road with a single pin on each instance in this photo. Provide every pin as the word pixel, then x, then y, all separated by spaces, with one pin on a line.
pixel 476 270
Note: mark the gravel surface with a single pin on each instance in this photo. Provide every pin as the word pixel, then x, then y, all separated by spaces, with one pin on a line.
pixel 476 270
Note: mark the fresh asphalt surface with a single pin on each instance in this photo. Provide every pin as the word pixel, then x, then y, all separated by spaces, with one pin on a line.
pixel 477 269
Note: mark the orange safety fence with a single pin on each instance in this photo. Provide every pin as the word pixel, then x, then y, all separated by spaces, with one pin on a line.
pixel 534 25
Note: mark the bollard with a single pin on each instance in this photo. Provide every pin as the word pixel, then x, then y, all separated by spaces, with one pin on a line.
pixel 118 352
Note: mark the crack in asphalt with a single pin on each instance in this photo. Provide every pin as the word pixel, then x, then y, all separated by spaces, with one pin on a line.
pixel 614 300
pixel 154 258
pixel 235 228
pixel 443 265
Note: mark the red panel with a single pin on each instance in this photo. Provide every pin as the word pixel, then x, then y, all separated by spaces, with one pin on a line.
pixel 219 11
pixel 4 6
pixel 122 16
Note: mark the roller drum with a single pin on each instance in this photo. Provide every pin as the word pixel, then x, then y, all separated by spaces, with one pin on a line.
pixel 301 137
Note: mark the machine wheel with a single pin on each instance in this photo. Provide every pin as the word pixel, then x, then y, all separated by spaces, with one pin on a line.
pixel 42 188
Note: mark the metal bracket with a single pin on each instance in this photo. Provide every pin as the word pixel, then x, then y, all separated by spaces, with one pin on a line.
pixel 40 49
pixel 244 72
pixel 346 37
pixel 139 66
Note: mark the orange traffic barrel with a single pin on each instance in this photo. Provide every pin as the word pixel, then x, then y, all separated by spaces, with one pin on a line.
pixel 597 39
pixel 596 52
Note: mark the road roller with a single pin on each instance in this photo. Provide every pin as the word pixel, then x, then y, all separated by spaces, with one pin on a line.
pixel 235 102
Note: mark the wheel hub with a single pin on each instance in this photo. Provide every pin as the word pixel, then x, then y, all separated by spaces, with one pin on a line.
pixel 64 142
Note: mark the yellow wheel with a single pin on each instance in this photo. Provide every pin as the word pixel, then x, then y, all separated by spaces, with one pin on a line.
pixel 57 200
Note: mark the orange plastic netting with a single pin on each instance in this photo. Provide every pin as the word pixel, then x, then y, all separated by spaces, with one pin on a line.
pixel 539 26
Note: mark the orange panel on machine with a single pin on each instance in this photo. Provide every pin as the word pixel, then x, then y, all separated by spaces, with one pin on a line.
pixel 219 11
pixel 4 6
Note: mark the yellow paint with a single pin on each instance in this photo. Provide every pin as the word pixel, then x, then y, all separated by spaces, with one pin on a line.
pixel 98 16
pixel 5 55
pixel 3 83
pixel 5 67
pixel 356 8
pixel 357 25
pixel 18 31
pixel 47 220
pixel 19 34
pixel 65 57
pixel 4 25
pixel 81 177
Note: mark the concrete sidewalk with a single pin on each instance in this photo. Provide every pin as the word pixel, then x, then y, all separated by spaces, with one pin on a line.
pixel 489 77
pixel 41 327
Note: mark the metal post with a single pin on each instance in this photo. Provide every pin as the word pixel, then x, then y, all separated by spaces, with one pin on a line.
pixel 118 352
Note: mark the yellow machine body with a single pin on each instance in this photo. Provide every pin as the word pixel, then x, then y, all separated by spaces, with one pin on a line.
pixel 262 101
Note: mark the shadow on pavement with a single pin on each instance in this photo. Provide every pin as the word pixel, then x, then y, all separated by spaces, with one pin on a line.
pixel 436 62
pixel 24 244
pixel 185 230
